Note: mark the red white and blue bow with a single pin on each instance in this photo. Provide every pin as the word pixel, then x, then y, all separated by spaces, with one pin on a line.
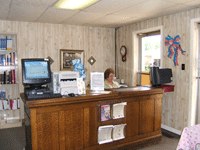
pixel 174 46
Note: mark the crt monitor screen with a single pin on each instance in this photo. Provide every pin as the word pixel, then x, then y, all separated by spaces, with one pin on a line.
pixel 160 76
pixel 36 71
pixel 165 75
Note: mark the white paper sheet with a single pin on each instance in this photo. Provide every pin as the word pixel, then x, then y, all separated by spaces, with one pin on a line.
pixel 118 132
pixel 118 110
pixel 81 86
pixel 97 81
pixel 105 134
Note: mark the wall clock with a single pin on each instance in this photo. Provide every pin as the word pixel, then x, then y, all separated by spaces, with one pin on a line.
pixel 123 52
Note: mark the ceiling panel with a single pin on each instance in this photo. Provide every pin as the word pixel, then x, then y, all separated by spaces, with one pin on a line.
pixel 34 2
pixel 195 3
pixel 82 18
pixel 55 15
pixel 179 1
pixel 149 6
pixel 105 13
pixel 25 12
pixel 110 6
pixel 106 20
pixel 5 2
pixel 4 12
pixel 175 9
pixel 123 22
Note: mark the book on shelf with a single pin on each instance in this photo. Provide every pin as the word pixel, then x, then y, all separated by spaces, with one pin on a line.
pixel 2 94
pixel 1 105
pixel 7 59
pixel 9 104
pixel 18 103
pixel 8 77
pixel 1 60
pixel 13 76
pixel 9 44
pixel 13 104
pixel 5 77
pixel 3 44
pixel 6 104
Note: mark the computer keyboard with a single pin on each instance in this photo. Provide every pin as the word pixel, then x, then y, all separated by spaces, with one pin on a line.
pixel 57 95
pixel 43 96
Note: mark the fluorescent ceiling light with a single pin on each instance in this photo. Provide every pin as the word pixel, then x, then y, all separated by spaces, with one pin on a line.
pixel 74 4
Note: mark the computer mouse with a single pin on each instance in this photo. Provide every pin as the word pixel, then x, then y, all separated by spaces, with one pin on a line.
pixel 71 94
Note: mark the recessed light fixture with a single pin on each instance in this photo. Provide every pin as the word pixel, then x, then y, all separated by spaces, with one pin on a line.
pixel 74 4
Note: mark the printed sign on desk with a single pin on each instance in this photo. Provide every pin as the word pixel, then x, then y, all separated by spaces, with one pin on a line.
pixel 97 81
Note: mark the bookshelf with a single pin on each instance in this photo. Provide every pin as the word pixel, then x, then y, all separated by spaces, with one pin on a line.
pixel 10 115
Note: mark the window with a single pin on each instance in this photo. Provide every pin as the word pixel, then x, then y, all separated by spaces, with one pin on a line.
pixel 149 52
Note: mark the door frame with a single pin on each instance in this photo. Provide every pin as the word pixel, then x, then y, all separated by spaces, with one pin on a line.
pixel 136 49
pixel 193 70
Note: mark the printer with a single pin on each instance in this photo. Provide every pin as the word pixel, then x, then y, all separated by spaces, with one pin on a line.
pixel 64 82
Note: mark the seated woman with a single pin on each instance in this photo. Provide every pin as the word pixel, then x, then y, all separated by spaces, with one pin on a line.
pixel 109 76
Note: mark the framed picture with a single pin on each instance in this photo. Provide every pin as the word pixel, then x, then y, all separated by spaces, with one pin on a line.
pixel 66 57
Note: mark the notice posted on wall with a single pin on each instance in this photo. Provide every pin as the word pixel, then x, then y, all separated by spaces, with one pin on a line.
pixel 97 81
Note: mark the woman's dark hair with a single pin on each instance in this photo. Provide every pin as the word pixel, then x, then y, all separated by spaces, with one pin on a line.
pixel 108 72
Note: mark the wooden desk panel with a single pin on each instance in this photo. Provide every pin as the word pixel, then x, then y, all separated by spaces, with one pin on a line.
pixel 72 123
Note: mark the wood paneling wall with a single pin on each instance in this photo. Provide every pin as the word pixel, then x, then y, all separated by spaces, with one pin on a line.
pixel 175 104
pixel 40 40
pixel 43 40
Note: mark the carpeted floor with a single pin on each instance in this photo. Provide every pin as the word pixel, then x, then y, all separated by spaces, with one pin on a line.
pixel 14 139
pixel 166 144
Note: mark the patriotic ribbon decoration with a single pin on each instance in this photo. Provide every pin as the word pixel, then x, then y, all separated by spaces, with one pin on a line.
pixel 174 46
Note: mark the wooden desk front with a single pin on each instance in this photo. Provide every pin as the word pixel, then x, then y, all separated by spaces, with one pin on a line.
pixel 72 123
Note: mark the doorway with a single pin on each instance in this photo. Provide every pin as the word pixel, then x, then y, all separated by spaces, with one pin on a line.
pixel 149 53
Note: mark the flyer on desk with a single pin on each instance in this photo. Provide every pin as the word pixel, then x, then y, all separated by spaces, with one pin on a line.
pixel 97 81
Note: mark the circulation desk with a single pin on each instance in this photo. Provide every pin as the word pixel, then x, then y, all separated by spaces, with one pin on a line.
pixel 73 122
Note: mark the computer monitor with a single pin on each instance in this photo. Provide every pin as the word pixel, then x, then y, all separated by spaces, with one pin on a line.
pixel 165 75
pixel 159 76
pixel 35 72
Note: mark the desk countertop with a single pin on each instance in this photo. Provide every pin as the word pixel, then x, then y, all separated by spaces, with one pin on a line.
pixel 92 96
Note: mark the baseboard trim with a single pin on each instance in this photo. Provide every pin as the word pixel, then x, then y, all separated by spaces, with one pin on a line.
pixel 171 129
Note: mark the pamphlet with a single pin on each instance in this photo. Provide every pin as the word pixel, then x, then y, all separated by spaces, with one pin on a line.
pixel 105 112
pixel 105 134
pixel 118 110
pixel 118 132
pixel 81 86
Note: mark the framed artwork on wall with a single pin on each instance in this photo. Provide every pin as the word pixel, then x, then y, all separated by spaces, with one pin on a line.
pixel 66 57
